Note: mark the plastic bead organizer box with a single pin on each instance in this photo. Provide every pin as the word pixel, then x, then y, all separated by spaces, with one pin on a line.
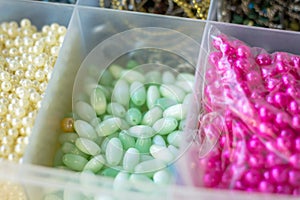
pixel 87 26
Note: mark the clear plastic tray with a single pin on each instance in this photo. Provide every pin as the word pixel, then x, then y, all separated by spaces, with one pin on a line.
pixel 87 27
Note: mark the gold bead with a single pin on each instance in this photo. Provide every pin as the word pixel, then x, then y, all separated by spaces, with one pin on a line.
pixel 67 124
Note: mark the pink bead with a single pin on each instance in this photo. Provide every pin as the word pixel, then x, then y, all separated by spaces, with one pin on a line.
pixel 254 145
pixel 296 122
pixel 274 160
pixel 279 174
pixel 281 67
pixel 266 187
pixel 294 178
pixel 287 133
pixel 295 161
pixel 214 57
pixel 288 79
pixel 256 160
pixel 296 191
pixel 282 119
pixel 293 107
pixel 239 185
pixel 271 83
pixel 297 144
pixel 212 178
pixel 263 59
pixel 291 90
pixel 281 99
pixel 244 64
pixel 281 56
pixel 218 41
pixel 295 62
pixel 226 48
pixel 211 75
pixel 265 129
pixel 284 144
pixel 252 177
pixel 253 77
pixel 265 114
pixel 243 51
pixel 284 189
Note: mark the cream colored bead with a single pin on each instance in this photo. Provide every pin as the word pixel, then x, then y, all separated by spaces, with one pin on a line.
pixel 55 50
pixel 9 43
pixel 39 61
pixel 6 86
pixel 15 158
pixel 27 32
pixel 24 103
pixel 54 26
pixel 4 150
pixel 14 65
pixel 45 29
pixel 16 122
pixel 3 109
pixel 4 76
pixel 28 41
pixel 13 24
pixel 8 140
pixel 12 32
pixel 36 36
pixel 35 97
pixel 4 101
pixel 13 132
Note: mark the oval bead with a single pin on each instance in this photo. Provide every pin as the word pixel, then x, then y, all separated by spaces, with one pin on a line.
pixel 74 162
pixel 121 181
pixel 165 103
pixel 172 92
pixel 168 77
pixel 57 161
pixel 104 143
pixel 67 137
pixel 107 91
pixel 142 183
pixel 145 157
pixel 175 138
pixel 121 93
pixel 162 177
pixel 114 152
pixel 110 172
pixel 98 101
pixel 127 140
pixel 143 144
pixel 150 166
pixel 87 146
pixel 138 93
pixel 95 122
pixel 173 150
pixel 85 130
pixel 185 77
pixel 187 99
pixel 152 115
pixel 132 64
pixel 178 112
pixel 141 131
pixel 153 77
pixel 131 76
pixel 159 140
pixel 133 116
pixel 69 148
pixel 131 159
pixel 116 71
pixel 84 111
pixel 108 126
pixel 186 86
pixel 161 153
pixel 152 95
pixel 106 78
pixel 95 164
pixel 116 110
pixel 165 125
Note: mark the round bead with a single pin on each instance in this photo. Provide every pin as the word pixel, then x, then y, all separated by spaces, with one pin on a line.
pixel 67 125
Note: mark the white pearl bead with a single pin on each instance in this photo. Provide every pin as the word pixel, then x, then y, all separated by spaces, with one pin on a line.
pixel 28 41
pixel 55 50
pixel 13 132
pixel 4 76
pixel 16 122
pixel 6 86
pixel 7 140
pixel 3 109
pixel 46 29
pixel 39 61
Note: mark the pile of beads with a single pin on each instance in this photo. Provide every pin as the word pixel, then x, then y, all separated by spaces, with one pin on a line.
pixel 256 96
pixel 27 57
pixel 131 126
pixel 10 190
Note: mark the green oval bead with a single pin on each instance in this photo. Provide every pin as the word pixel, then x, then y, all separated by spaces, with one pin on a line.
pixel 98 101
pixel 178 111
pixel 84 111
pixel 110 172
pixel 87 146
pixel 116 71
pixel 67 137
pixel 108 126
pixel 150 166
pixel 127 140
pixel 152 116
pixel 172 92
pixel 152 95
pixel 161 153
pixel 185 77
pixel 104 143
pixel 132 64
pixel 165 125
pixel 124 125
pixel 187 86
pixel 165 103
pixel 133 116
pixel 131 76
pixel 69 148
pixel 153 77
pixel 162 177
pixel 121 93
pixel 116 110
pixel 175 138
pixel 107 91
pixel 58 158
pixel 114 152
pixel 141 131
pixel 145 157
pixel 138 93
pixel 95 164
pixel 74 162
pixel 131 159
pixel 95 122
pixel 168 77
pixel 85 130
pixel 143 144
pixel 106 78
pixel 159 140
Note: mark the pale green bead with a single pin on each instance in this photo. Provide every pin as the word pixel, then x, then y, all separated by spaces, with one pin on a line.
pixel 84 111
pixel 69 148
pixel 152 116
pixel 127 140
pixel 131 76
pixel 168 77
pixel 114 135
pixel 187 99
pixel 150 166
pixel 58 158
pixel 131 159
pixel 107 91
pixel 152 95
pixel 132 64
pixel 114 152
pixel 104 143
pixel 116 71
pixel 161 153
pixel 87 146
pixel 187 86
pixel 159 140
pixel 108 126
pixel 143 144
pixel 178 111
pixel 98 101
pixel 116 110
pixel 182 124
pixel 185 77
pixel 145 157
pixel 74 162
pixel 121 181
pixel 175 138
pixel 138 93
pixel 85 130
pixel 142 183
pixel 141 131
pixel 165 125
pixel 124 125
pixel 110 172
pixel 133 116
pixel 173 150
pixel 95 122
pixel 105 117
pixel 162 177
pixel 165 103
pixel 95 164
pixel 153 77
pixel 172 92
pixel 106 78
pixel 121 93
pixel 67 137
